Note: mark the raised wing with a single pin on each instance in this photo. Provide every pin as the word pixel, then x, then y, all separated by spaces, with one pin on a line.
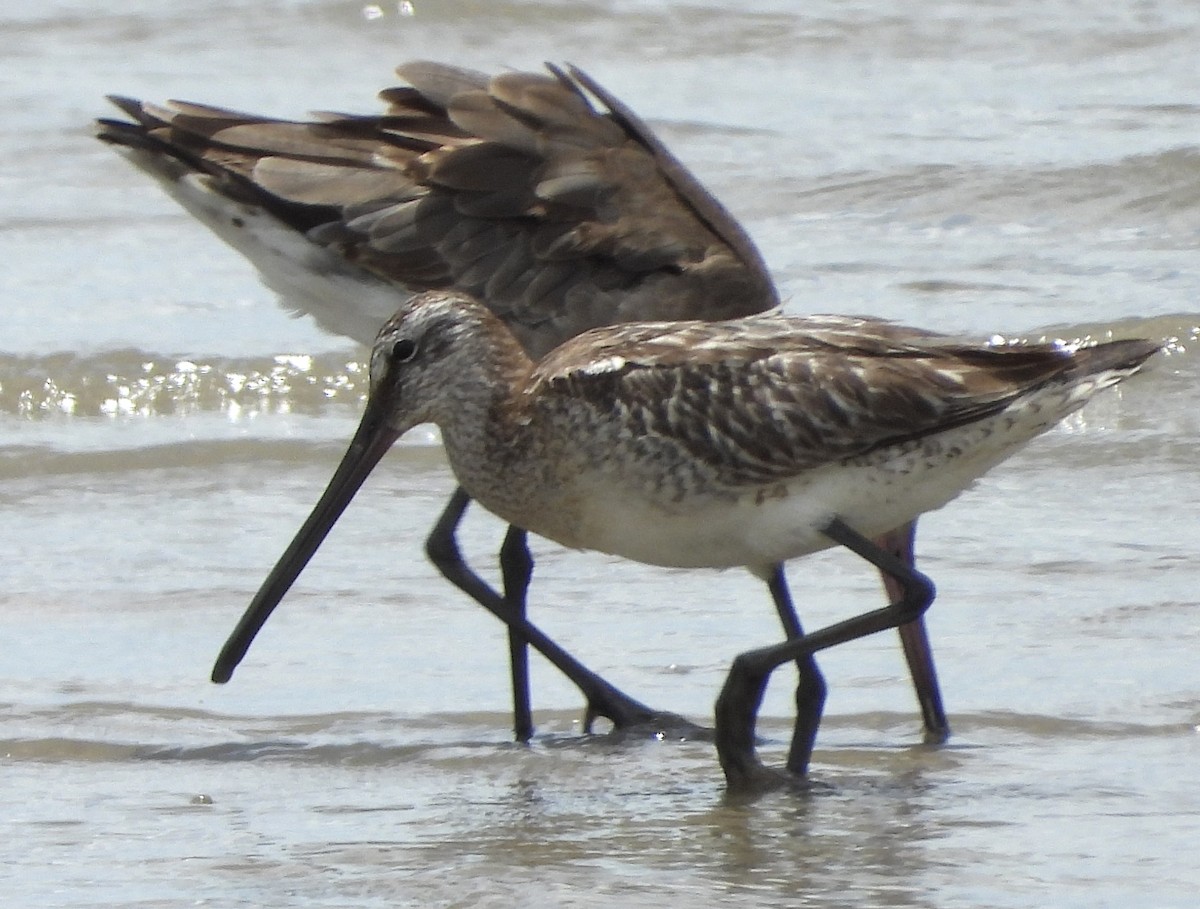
pixel 540 194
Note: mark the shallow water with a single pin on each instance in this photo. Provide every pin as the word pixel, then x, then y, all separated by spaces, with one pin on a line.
pixel 1012 169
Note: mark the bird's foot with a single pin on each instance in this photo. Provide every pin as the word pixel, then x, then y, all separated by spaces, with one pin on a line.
pixel 936 736
pixel 631 719
pixel 749 780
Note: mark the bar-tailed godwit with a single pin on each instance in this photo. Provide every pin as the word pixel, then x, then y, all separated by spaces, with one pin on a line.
pixel 712 445
pixel 541 195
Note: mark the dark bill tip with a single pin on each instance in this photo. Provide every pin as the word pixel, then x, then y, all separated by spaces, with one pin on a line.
pixel 371 441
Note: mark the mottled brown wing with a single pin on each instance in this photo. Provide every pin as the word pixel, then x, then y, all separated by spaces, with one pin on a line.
pixel 540 194
pixel 771 397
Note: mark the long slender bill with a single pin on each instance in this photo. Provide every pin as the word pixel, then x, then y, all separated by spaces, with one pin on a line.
pixel 371 441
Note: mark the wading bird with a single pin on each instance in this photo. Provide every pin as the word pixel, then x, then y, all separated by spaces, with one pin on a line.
pixel 712 445
pixel 539 194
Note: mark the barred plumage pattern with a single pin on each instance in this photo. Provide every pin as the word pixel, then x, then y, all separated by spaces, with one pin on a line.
pixel 667 420
pixel 767 397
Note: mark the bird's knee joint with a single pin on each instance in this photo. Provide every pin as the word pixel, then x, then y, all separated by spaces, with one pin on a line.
pixel 441 551
pixel 919 595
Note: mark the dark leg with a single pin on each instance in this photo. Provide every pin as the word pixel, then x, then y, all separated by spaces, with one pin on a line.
pixel 915 638
pixel 811 691
pixel 603 699
pixel 737 706
pixel 516 568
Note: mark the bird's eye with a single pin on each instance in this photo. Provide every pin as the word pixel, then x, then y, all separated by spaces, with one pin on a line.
pixel 403 350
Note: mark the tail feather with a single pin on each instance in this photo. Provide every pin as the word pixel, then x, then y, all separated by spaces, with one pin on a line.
pixel 1124 356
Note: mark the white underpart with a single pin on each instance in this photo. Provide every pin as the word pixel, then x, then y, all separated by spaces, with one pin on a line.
pixel 342 298
pixel 766 527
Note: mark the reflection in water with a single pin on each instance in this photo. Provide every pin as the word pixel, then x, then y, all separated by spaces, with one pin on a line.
pixel 647 820
pixel 879 825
